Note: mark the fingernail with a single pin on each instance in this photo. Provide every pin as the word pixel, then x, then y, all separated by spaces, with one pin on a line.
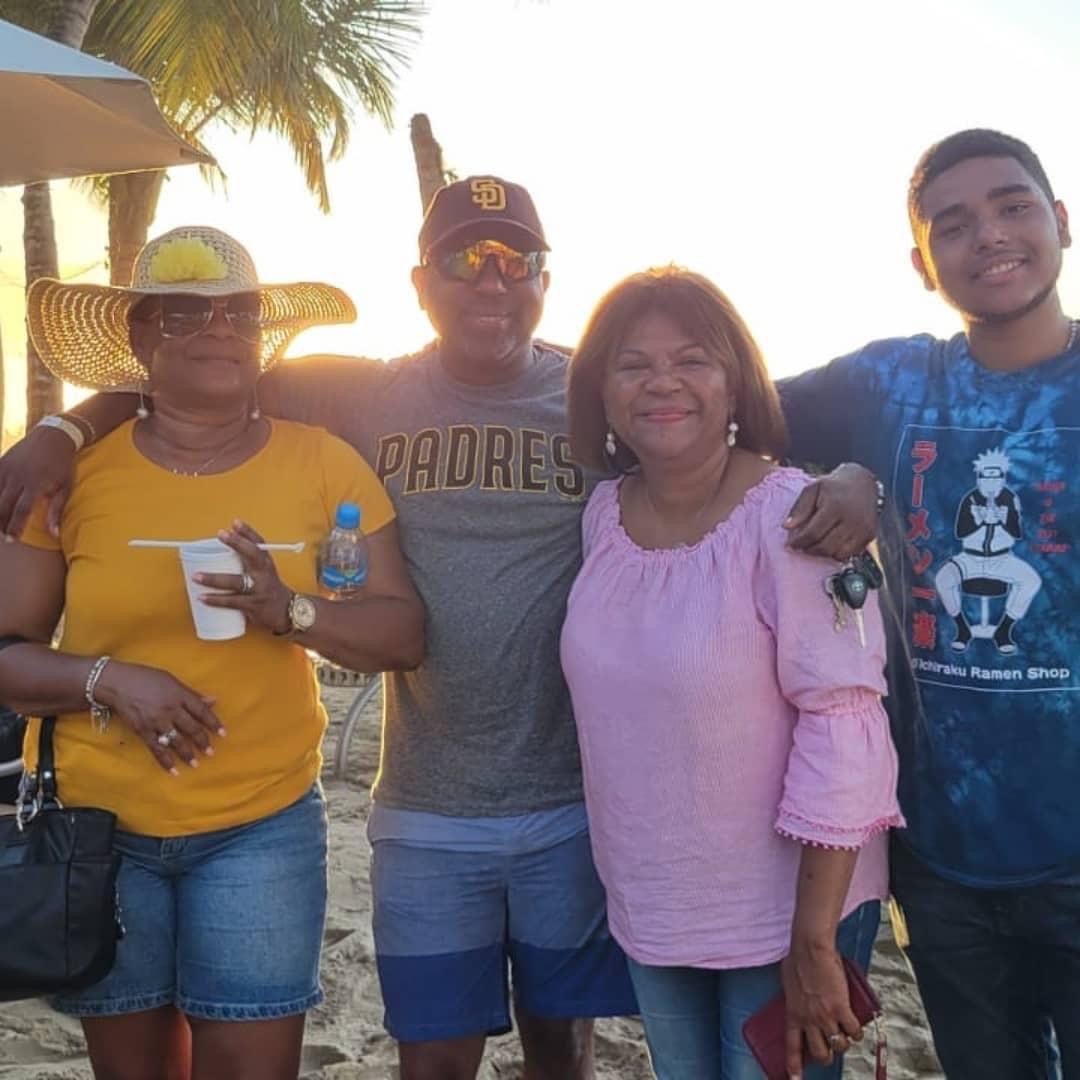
pixel 223 534
pixel 173 771
pixel 8 539
pixel 197 577
pixel 194 763
pixel 788 522
pixel 209 751
pixel 222 731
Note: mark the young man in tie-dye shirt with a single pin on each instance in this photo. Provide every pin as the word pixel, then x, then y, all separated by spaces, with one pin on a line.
pixel 977 441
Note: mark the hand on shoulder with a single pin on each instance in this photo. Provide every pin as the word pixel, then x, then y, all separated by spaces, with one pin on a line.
pixel 39 466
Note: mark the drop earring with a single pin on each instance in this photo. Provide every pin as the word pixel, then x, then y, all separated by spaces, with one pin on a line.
pixel 609 443
pixel 143 410
pixel 256 412
pixel 732 431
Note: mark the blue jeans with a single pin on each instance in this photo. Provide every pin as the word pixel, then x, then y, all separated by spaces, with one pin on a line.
pixel 998 970
pixel 694 1016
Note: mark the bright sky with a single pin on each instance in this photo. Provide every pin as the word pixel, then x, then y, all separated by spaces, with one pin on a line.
pixel 768 147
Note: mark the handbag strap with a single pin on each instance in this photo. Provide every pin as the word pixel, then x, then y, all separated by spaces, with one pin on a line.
pixel 46 767
pixel 37 790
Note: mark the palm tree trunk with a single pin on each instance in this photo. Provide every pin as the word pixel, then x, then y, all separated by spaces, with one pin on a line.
pixel 133 200
pixel 429 159
pixel 70 22
pixel 43 392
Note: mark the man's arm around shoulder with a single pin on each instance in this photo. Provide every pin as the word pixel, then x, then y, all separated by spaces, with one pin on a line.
pixel 837 515
pixel 323 389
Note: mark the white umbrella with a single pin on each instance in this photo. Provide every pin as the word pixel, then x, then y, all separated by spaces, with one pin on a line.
pixel 63 113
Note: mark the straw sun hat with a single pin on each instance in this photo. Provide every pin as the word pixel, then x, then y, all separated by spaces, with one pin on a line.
pixel 81 331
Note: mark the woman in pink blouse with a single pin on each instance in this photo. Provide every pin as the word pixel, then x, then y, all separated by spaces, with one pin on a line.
pixel 739 774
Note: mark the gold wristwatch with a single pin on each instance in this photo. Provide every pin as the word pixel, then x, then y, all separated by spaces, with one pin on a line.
pixel 302 613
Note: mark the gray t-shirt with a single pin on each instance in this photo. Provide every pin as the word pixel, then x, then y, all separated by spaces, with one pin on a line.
pixel 489 508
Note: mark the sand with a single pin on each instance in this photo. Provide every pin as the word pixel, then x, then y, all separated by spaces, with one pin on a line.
pixel 345 1039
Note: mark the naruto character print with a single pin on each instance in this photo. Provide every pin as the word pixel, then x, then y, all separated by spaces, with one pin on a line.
pixel 990 556
pixel 989 525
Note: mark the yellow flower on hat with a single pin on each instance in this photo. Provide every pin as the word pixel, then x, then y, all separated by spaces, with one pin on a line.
pixel 187 259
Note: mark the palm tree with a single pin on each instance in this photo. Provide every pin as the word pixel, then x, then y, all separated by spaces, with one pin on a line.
pixel 65 21
pixel 297 68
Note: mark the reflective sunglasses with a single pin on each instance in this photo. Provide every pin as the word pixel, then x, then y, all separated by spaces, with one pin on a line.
pixel 467 263
pixel 181 316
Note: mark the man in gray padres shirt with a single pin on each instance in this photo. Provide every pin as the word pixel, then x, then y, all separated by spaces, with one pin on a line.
pixel 481 853
pixel 481 859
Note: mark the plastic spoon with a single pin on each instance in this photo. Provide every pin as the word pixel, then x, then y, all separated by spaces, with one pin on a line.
pixel 298 546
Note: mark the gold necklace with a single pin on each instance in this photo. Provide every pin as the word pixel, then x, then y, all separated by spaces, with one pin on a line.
pixel 695 519
pixel 201 469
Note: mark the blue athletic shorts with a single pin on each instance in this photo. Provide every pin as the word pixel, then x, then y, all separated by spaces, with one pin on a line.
pixel 225 925
pixel 454 928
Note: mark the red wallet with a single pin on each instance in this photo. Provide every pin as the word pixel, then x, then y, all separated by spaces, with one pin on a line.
pixel 765 1031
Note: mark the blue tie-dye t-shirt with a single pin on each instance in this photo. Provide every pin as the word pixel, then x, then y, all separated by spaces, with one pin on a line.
pixel 983 473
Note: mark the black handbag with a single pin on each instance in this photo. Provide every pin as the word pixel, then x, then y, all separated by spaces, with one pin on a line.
pixel 59 912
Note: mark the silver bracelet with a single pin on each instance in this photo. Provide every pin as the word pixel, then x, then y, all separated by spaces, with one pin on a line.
pixel 99 714
pixel 72 431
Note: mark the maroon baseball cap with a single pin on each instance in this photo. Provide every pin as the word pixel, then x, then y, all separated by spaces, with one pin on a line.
pixel 482 208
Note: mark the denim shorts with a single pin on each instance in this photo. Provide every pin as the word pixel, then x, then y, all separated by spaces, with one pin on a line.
pixel 224 925
pixel 450 926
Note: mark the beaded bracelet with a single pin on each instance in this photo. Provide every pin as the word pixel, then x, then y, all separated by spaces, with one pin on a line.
pixel 86 423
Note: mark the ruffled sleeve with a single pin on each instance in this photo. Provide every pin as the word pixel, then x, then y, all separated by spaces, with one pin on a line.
pixel 840 782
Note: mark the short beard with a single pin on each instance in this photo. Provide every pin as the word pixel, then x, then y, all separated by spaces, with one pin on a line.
pixel 1003 318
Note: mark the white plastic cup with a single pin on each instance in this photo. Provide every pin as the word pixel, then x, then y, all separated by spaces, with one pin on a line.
pixel 211 557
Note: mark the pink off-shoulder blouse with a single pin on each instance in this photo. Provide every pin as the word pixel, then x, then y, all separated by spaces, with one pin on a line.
pixel 723 723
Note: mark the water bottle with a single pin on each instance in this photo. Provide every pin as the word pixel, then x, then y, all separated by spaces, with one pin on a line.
pixel 343 555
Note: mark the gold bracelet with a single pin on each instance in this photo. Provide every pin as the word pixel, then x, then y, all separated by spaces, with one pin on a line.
pixel 86 422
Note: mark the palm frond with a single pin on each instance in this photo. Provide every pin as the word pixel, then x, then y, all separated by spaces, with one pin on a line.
pixel 298 68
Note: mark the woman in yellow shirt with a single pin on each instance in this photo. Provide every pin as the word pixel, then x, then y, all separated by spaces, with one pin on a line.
pixel 207 751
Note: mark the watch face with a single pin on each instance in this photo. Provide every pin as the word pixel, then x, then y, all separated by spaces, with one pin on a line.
pixel 302 612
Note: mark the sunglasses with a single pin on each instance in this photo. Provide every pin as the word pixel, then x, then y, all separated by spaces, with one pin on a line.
pixel 181 316
pixel 468 263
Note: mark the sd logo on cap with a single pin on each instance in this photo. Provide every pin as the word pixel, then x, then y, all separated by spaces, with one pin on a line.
pixel 482 208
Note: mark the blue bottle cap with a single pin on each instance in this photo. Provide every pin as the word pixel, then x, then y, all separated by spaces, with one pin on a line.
pixel 348 516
